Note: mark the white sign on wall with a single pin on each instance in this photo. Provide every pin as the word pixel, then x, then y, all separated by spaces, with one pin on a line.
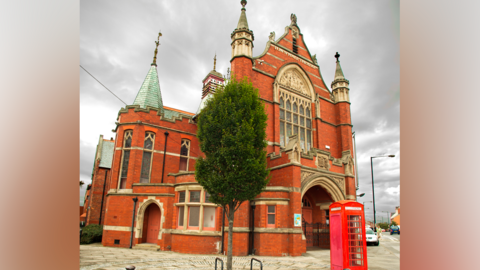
pixel 297 220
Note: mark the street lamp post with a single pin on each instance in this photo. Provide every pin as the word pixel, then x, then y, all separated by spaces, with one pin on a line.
pixel 373 189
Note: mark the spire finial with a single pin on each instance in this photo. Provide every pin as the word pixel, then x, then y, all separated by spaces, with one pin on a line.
pixel 337 56
pixel 156 49
pixel 215 61
pixel 243 3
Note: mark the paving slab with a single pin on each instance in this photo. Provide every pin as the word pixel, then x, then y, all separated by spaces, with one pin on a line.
pixel 97 257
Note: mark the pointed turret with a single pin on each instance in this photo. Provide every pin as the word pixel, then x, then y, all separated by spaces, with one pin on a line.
pixel 149 93
pixel 242 22
pixel 340 84
pixel 242 37
pixel 338 70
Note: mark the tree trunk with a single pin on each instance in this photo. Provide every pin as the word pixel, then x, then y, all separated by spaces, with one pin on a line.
pixel 230 238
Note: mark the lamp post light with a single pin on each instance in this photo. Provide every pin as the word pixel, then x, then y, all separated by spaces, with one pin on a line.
pixel 373 189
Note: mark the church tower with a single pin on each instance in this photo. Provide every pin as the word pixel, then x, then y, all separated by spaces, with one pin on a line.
pixel 242 46
pixel 213 80
pixel 149 93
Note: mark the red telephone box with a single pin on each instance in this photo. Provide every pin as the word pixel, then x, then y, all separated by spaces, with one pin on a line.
pixel 348 246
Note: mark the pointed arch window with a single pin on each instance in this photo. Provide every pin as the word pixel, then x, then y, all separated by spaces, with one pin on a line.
pixel 148 145
pixel 295 118
pixel 127 145
pixel 184 154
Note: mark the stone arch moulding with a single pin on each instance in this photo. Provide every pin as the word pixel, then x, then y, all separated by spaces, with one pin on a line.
pixel 296 73
pixel 326 183
pixel 141 213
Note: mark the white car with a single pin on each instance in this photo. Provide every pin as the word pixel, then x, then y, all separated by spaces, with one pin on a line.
pixel 372 237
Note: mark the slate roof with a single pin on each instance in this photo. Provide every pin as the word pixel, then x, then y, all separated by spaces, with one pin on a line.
pixel 107 154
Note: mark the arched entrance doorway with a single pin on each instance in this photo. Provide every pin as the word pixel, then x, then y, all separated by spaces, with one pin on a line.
pixel 315 202
pixel 151 224
pixel 307 220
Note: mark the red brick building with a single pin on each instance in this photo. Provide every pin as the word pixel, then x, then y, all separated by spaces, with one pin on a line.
pixel 310 150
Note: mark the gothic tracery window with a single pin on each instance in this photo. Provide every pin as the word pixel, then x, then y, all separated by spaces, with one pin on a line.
pixel 147 157
pixel 127 144
pixel 295 118
pixel 184 154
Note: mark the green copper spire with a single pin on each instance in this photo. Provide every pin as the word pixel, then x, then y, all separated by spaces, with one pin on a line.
pixel 149 93
pixel 338 71
pixel 242 23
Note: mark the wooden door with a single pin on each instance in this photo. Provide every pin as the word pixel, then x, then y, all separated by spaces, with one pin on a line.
pixel 153 223
pixel 307 215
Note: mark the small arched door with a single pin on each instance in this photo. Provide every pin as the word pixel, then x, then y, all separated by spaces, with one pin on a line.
pixel 151 223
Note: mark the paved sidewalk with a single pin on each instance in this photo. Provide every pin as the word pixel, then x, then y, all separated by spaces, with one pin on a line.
pixel 97 257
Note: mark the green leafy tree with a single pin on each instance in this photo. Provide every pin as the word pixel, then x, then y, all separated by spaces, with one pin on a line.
pixel 231 131
pixel 383 225
pixel 394 223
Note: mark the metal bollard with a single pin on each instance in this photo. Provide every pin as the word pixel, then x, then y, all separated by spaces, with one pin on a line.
pixel 130 267
pixel 216 259
pixel 251 263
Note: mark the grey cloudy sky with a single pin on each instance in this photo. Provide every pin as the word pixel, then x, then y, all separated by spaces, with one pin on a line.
pixel 117 45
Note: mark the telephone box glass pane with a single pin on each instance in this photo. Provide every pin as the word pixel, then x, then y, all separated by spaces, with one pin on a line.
pixel 355 240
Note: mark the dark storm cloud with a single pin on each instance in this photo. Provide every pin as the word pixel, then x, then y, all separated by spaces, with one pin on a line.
pixel 117 45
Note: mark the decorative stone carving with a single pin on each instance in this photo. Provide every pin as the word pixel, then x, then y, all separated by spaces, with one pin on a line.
pixel 349 166
pixel 292 79
pixel 322 162
pixel 271 37
pixel 341 182
pixel 293 18
pixel 314 58
pixel 275 92
pixel 304 175
pixel 295 33
pixel 294 149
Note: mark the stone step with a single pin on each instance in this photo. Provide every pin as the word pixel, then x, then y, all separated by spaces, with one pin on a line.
pixel 151 247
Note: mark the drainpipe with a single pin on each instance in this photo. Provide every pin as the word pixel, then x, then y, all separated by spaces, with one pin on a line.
pixel 86 215
pixel 223 229
pixel 252 237
pixel 133 219
pixel 164 154
pixel 356 166
pixel 103 196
